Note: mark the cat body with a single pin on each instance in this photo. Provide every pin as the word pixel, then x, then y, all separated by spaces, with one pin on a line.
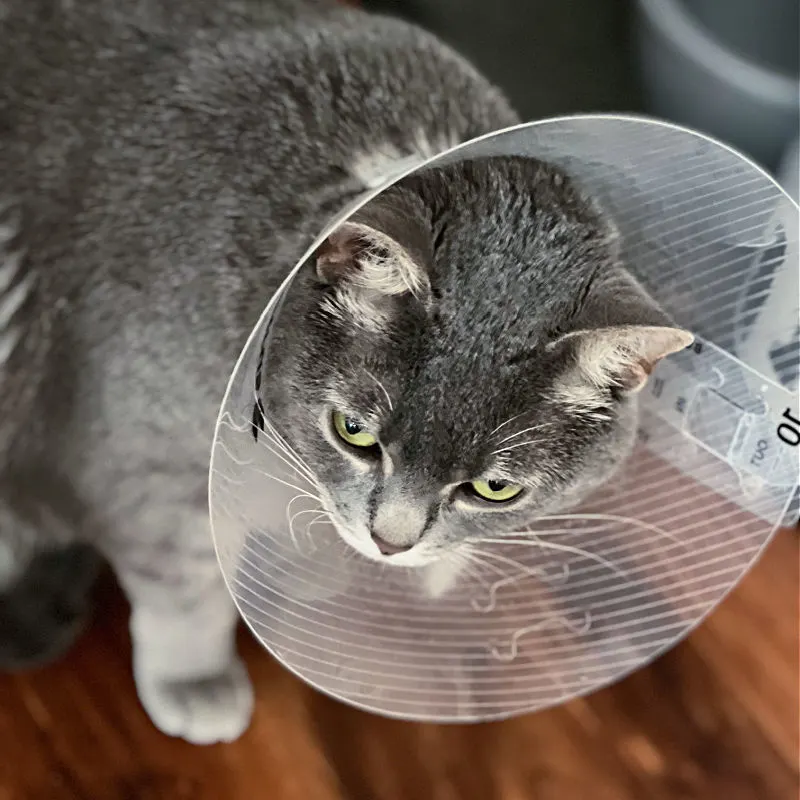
pixel 462 355
pixel 163 167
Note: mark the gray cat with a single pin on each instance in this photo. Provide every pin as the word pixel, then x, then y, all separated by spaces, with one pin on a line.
pixel 463 354
pixel 467 349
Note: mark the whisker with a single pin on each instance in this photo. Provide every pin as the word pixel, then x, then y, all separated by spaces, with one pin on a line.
pixel 476 559
pixel 524 571
pixel 227 420
pixel 293 462
pixel 608 518
pixel 239 463
pixel 525 430
pixel 284 444
pixel 561 621
pixel 507 422
pixel 301 512
pixel 562 548
pixel 303 492
pixel 280 441
pixel 515 446
pixel 318 520
pixel 290 521
pixel 272 435
pixel 300 473
pixel 493 590
pixel 549 532
pixel 227 478
pixel 530 571
pixel 382 388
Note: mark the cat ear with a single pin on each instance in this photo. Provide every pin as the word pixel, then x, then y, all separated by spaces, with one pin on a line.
pixel 624 356
pixel 620 334
pixel 370 261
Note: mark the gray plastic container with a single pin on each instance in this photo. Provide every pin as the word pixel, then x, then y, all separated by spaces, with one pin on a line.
pixel 725 67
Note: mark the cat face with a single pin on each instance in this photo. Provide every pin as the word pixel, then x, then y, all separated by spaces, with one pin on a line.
pixel 463 356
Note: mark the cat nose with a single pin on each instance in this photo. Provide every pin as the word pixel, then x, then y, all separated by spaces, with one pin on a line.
pixel 387 548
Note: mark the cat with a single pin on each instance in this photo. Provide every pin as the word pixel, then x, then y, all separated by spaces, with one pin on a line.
pixel 463 354
pixel 164 164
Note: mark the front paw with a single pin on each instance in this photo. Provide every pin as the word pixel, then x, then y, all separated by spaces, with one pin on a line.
pixel 202 711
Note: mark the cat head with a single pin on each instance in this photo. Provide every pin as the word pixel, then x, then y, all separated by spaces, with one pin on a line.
pixel 462 356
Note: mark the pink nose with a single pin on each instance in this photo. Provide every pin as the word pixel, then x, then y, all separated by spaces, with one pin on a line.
pixel 387 548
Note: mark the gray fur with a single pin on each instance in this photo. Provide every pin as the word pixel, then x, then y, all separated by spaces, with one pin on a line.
pixel 520 361
pixel 166 164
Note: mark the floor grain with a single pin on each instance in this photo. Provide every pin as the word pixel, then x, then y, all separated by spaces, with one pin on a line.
pixel 717 717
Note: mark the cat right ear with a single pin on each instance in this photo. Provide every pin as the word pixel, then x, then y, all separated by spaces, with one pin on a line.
pixel 625 356
pixel 362 258
pixel 621 334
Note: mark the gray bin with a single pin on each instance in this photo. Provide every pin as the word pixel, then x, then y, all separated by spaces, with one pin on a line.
pixel 725 67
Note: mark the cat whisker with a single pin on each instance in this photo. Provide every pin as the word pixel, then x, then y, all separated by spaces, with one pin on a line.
pixel 513 563
pixel 277 446
pixel 268 427
pixel 548 532
pixel 301 512
pixel 475 558
pixel 482 559
pixel 227 478
pixel 516 445
pixel 239 462
pixel 526 430
pixel 284 444
pixel 227 420
pixel 542 571
pixel 560 621
pixel 607 518
pixel 493 590
pixel 382 388
pixel 303 492
pixel 322 516
pixel 507 422
pixel 298 471
pixel 319 511
pixel 507 580
pixel 290 520
pixel 287 449
pixel 562 548
pixel 275 449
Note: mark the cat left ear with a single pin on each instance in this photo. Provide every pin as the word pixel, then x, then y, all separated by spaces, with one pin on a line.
pixel 625 356
pixel 366 259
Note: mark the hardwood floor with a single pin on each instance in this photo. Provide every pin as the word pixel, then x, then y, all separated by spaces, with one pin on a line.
pixel 717 717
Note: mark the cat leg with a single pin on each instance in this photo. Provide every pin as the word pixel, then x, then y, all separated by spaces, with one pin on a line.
pixel 45 593
pixel 46 582
pixel 183 624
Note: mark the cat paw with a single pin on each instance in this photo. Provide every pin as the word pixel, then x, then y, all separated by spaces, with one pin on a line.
pixel 202 711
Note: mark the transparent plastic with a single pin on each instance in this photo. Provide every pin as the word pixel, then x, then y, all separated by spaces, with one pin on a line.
pixel 585 598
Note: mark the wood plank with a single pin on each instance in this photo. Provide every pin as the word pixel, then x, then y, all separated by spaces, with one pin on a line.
pixel 717 717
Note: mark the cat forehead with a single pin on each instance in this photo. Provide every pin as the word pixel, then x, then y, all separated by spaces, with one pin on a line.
pixel 515 240
pixel 451 401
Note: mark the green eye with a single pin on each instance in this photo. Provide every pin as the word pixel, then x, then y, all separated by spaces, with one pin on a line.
pixel 352 431
pixel 495 491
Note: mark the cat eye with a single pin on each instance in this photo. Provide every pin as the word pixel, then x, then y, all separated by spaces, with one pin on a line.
pixel 495 491
pixel 351 431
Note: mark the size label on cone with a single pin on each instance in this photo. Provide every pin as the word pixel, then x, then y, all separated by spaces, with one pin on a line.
pixel 728 412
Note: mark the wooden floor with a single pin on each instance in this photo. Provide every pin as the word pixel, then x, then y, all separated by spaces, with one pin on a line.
pixel 715 718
